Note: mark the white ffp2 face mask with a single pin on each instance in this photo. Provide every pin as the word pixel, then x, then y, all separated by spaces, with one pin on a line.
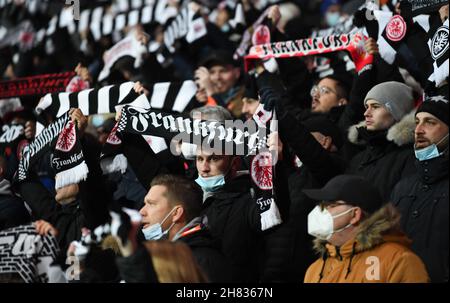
pixel 321 223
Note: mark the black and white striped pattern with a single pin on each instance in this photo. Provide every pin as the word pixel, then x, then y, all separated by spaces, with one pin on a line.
pixel 32 6
pixel 169 96
pixel 101 23
pixel 41 143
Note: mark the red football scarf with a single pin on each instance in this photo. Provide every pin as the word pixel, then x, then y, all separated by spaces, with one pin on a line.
pixel 35 85
pixel 354 44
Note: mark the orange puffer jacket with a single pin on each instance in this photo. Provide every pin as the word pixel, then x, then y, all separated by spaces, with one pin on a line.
pixel 379 253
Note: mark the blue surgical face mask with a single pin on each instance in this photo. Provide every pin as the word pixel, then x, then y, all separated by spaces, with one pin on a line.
pixel 429 152
pixel 155 231
pixel 225 28
pixel 332 19
pixel 211 184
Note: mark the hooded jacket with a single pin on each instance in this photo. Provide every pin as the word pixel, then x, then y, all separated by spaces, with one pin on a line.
pixel 388 156
pixel 422 200
pixel 379 253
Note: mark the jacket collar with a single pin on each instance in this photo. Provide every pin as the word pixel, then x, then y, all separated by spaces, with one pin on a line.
pixel 401 133
pixel 432 171
pixel 382 226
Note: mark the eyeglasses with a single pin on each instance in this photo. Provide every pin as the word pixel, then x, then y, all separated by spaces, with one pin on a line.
pixel 321 90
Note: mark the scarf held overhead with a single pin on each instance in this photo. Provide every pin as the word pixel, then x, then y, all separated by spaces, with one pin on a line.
pixel 354 44
pixel 40 145
pixel 35 85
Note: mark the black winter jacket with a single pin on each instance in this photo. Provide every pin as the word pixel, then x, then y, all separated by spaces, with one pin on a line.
pixel 422 200
pixel 388 156
pixel 234 221
pixel 206 251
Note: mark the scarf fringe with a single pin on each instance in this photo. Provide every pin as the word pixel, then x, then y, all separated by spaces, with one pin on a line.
pixel 270 217
pixel 111 165
pixel 72 176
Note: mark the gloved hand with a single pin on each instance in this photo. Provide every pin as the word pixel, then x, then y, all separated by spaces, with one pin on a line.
pixel 269 98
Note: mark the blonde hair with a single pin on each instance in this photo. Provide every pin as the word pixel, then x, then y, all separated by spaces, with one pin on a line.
pixel 174 263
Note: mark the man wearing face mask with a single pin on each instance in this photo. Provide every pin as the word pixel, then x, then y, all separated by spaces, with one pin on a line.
pixel 232 216
pixel 358 241
pixel 331 11
pixel 172 211
pixel 422 198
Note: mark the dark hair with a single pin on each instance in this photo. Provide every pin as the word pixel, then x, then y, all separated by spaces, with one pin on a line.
pixel 182 190
pixel 342 88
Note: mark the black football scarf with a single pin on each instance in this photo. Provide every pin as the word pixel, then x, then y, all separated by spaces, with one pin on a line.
pixel 418 7
pixel 437 33
pixel 167 96
pixel 111 157
pixel 249 38
pixel 212 135
pixel 187 25
pixel 262 172
pixel 29 254
pixel 40 145
pixel 249 141
pixel 68 158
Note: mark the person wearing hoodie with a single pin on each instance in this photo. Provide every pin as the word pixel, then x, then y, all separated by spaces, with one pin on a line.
pixel 422 198
pixel 12 208
pixel 359 242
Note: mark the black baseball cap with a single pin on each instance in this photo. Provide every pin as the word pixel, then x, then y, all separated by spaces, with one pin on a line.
pixel 353 190
pixel 219 57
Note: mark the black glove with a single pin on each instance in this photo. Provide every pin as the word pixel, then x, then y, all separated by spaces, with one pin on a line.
pixel 269 98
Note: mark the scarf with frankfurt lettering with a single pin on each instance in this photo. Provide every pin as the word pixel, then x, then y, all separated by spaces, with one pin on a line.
pixel 354 44
pixel 418 7
pixel 29 254
pixel 35 85
pixel 67 157
pixel 230 138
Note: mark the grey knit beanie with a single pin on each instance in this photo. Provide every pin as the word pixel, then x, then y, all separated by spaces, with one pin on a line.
pixel 395 96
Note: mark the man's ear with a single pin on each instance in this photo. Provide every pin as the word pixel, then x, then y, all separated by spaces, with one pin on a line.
pixel 237 72
pixel 343 101
pixel 178 214
pixel 357 216
pixel 236 164
pixel 1 171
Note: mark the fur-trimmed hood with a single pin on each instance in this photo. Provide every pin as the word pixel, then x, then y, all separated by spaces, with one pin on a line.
pixel 382 226
pixel 401 133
